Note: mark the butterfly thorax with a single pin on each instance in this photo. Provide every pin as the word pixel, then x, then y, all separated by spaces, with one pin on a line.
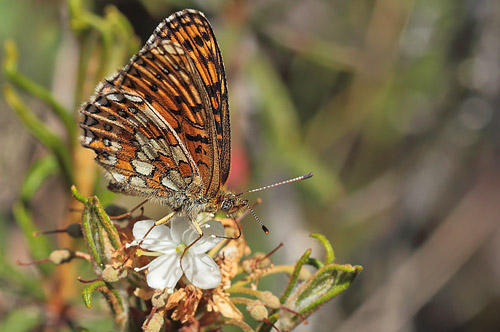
pixel 226 202
pixel 191 204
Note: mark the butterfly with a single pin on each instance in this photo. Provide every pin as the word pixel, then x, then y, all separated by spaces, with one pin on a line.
pixel 160 126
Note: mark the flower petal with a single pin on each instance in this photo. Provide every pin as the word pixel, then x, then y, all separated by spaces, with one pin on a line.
pixel 212 233
pixel 158 239
pixel 141 227
pixel 164 272
pixel 201 270
pixel 178 227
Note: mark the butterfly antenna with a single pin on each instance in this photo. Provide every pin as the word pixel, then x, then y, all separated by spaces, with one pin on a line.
pixel 303 177
pixel 264 228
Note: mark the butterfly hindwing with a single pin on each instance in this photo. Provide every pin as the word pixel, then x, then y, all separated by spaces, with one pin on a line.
pixel 116 128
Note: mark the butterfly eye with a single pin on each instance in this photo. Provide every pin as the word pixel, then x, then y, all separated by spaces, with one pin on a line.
pixel 226 205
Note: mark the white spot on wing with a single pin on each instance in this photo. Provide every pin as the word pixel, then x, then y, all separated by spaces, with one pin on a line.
pixel 172 49
pixel 184 76
pixel 140 138
pixel 137 181
pixel 116 145
pixel 86 139
pixel 133 98
pixel 169 184
pixel 110 160
pixel 114 97
pixel 132 121
pixel 178 154
pixel 154 144
pixel 118 177
pixel 195 93
pixel 141 156
pixel 149 151
pixel 142 167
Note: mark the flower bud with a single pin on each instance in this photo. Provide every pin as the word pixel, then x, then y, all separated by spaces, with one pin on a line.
pixel 270 300
pixel 74 230
pixel 155 324
pixel 258 311
pixel 247 266
pixel 61 256
pixel 159 298
pixel 112 274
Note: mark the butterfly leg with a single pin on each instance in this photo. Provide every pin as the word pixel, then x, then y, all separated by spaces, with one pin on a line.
pixel 162 221
pixel 239 231
pixel 200 235
pixel 127 214
pixel 159 222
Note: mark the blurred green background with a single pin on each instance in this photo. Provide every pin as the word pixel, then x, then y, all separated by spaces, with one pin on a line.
pixel 391 103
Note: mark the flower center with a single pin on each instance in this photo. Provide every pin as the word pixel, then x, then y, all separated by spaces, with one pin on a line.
pixel 180 248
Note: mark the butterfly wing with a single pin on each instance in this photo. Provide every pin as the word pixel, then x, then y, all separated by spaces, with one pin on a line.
pixel 192 30
pixel 135 137
pixel 152 125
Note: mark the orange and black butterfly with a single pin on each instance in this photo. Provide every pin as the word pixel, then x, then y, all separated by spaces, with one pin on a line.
pixel 160 126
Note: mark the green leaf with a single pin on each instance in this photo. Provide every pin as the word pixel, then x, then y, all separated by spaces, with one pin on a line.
pixel 295 275
pixel 36 176
pixel 324 285
pixel 99 232
pixel 107 224
pixel 76 194
pixel 330 255
pixel 309 296
pixel 89 290
pixel 315 262
pixel 90 231
pixel 114 300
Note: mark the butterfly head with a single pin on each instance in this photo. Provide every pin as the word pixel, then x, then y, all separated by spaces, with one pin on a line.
pixel 230 204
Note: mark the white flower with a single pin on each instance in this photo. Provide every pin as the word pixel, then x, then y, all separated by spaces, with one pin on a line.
pixel 170 242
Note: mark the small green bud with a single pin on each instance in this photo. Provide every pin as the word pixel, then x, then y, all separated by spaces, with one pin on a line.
pixel 258 311
pixel 270 300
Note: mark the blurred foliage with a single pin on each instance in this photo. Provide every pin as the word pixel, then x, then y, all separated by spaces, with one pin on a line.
pixel 392 104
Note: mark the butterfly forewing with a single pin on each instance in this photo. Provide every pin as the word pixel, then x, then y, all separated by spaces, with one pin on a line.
pixel 160 126
pixel 192 30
